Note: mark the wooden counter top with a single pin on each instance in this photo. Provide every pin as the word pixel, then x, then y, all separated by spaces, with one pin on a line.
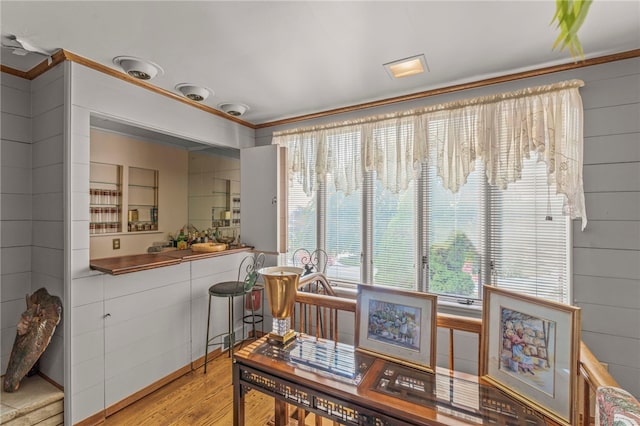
pixel 140 262
pixel 188 254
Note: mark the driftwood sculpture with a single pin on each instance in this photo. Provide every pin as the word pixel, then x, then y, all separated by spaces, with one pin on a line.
pixel 35 328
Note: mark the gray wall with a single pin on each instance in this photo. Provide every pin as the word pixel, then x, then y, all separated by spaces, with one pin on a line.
pixel 32 194
pixel 47 251
pixel 15 210
pixel 606 256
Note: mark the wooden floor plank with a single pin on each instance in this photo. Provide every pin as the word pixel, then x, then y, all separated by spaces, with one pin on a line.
pixel 195 399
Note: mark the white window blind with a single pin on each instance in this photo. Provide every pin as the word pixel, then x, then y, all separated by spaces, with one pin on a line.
pixel 456 225
pixel 342 212
pixel 392 229
pixel 302 213
pixel 529 237
pixel 394 237
pixel 426 237
pixel 343 230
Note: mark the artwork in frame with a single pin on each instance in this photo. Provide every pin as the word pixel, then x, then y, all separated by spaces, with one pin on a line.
pixel 397 325
pixel 530 350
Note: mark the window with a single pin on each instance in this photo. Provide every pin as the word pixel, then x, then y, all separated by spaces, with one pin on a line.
pixel 342 232
pixel 498 174
pixel 428 238
pixel 302 215
pixel 530 237
pixel 394 237
pixel 455 224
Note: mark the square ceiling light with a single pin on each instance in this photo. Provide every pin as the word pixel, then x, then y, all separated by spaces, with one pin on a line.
pixel 406 67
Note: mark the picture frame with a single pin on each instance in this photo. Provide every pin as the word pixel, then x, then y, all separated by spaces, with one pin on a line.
pixel 530 349
pixel 397 325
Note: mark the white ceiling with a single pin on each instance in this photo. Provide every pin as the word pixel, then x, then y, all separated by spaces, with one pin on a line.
pixel 286 59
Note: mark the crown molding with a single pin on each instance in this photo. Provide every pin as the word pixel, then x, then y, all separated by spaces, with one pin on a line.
pixel 458 87
pixel 62 55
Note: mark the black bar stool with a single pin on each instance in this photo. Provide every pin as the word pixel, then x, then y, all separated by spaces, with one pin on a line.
pixel 231 289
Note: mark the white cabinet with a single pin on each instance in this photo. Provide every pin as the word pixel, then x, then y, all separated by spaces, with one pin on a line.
pixel 205 273
pixel 129 331
pixel 264 198
pixel 147 328
pixel 87 348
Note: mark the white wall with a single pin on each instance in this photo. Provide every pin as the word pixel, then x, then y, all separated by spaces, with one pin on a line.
pixel 47 251
pixel 15 207
pixel 32 193
pixel 91 92
pixel 606 256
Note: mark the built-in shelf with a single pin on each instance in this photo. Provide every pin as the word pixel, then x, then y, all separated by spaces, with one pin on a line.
pixel 143 200
pixel 105 198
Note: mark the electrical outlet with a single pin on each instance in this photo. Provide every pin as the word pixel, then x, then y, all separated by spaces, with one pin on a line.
pixel 116 243
pixel 225 342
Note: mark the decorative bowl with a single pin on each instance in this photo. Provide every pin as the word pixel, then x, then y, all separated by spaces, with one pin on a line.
pixel 225 240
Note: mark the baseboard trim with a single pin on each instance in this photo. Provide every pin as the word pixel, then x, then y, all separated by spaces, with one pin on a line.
pixel 158 384
pixel 50 380
pixel 96 419
pixel 147 390
pixel 100 416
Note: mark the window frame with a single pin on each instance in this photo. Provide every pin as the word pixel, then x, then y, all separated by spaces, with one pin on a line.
pixel 422 246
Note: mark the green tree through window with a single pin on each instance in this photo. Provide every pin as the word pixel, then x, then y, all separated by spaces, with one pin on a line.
pixel 452 266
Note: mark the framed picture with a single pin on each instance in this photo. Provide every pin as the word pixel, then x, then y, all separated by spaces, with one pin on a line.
pixel 397 325
pixel 530 350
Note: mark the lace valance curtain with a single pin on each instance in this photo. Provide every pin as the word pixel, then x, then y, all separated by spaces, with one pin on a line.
pixel 500 130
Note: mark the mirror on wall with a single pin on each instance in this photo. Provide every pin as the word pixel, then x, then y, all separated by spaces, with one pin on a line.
pixel 214 193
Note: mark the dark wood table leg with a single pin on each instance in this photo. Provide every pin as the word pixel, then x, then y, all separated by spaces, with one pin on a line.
pixel 281 413
pixel 238 397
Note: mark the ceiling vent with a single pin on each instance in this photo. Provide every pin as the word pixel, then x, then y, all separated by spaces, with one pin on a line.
pixel 194 92
pixel 234 109
pixel 138 68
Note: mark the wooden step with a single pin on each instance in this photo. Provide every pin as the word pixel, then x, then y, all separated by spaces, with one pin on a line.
pixel 37 402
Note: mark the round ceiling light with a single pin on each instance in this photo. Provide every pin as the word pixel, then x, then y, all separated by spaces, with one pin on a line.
pixel 234 109
pixel 194 92
pixel 138 68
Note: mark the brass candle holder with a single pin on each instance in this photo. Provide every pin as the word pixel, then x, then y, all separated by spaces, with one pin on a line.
pixel 281 283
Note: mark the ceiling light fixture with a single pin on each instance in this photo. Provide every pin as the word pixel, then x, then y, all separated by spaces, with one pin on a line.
pixel 234 109
pixel 407 66
pixel 138 68
pixel 194 92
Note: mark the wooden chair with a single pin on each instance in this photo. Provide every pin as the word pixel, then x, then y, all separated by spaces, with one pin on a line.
pixel 315 321
pixel 317 315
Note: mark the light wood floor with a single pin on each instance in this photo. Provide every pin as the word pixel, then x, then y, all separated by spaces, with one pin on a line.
pixel 196 399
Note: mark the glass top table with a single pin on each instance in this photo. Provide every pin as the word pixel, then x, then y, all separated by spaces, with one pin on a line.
pixel 357 388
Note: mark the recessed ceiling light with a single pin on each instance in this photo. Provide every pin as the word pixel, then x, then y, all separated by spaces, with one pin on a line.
pixel 194 92
pixel 234 109
pixel 406 67
pixel 138 68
